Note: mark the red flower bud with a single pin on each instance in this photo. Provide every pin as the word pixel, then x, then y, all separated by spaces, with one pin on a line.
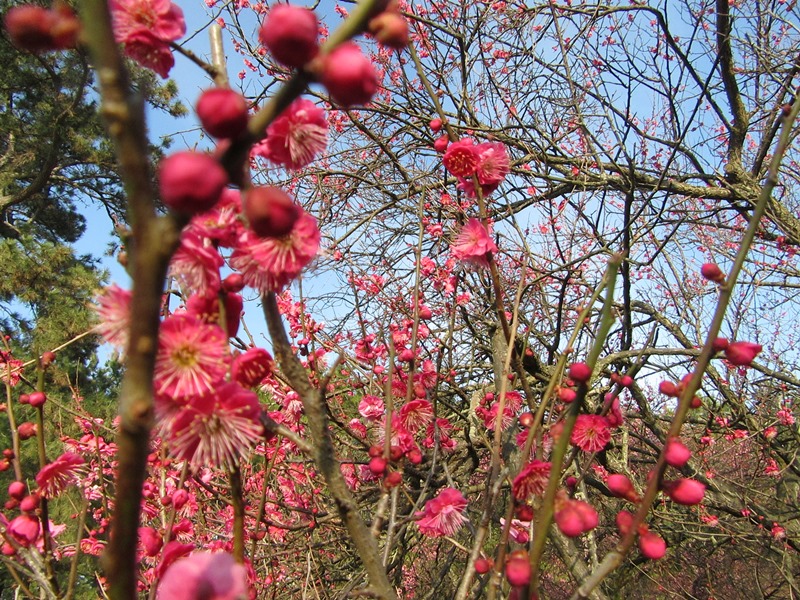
pixel 349 76
pixel 414 456
pixel 377 465
pixel 518 569
pixel 676 454
pixel 685 491
pixel 29 503
pixel 425 312
pixel 441 144
pixel 526 419
pixel 436 124
pixel 37 399
pixel 38 29
pixel 580 372
pixel 720 344
pixel 712 272
pixel 17 490
pixel 233 283
pixel 524 512
pixel 652 546
pixel 222 112
pixel 290 34
pixel 47 358
pixel 393 479
pixel 742 354
pixel 191 182
pixel 390 29
pixel 483 565
pixel 270 211
pixel 567 395
pixel 575 517
pixel 668 388
pixel 622 487
pixel 624 521
pixel 27 430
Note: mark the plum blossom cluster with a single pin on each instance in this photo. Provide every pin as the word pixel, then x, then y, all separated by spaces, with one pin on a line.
pixel 487 163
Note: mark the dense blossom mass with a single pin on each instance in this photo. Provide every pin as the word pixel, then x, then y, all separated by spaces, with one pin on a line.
pixel 525 270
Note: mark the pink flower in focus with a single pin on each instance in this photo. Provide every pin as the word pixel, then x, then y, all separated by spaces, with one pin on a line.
pixel 473 243
pixel 206 576
pixel 192 357
pixel 371 407
pixel 443 515
pixel 532 480
pixel 146 27
pixel 296 137
pixel 250 368
pixel 113 309
pixel 195 264
pixel 55 477
pixel 269 264
pixel 591 433
pixel 416 414
pixel 493 163
pixel 461 158
pixel 217 428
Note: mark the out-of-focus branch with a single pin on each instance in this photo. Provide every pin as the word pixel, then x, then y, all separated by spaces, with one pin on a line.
pixel 152 242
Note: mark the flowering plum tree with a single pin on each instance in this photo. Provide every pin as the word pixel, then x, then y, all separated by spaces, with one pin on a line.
pixel 526 273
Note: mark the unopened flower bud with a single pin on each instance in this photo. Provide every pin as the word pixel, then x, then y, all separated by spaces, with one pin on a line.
pixel 652 546
pixel 742 354
pixel 676 453
pixel 377 465
pixel 37 399
pixel 270 211
pixel 393 479
pixel 483 565
pixel 685 491
pixel 349 76
pixel 29 503
pixel 518 568
pixel 668 388
pixel 27 430
pixel 222 112
pixel 17 490
pixel 290 34
pixel 390 29
pixel 580 372
pixel 712 272
pixel 622 487
pixel 191 182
